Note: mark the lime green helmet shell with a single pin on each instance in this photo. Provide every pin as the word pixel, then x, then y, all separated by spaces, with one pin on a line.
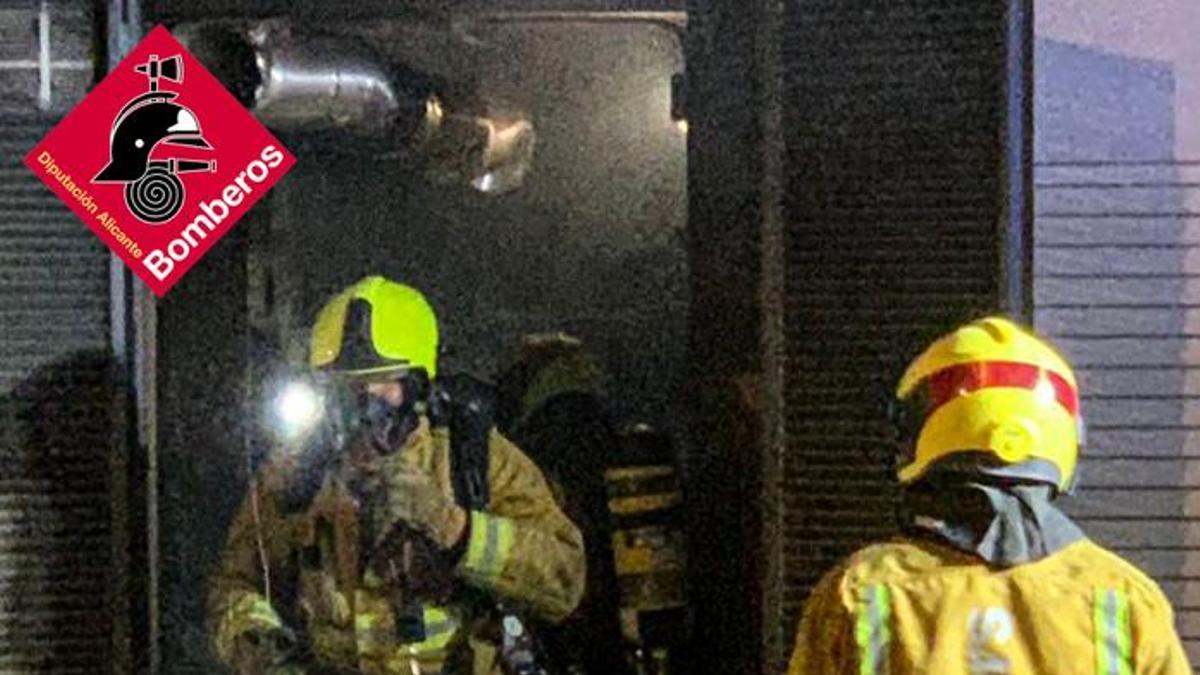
pixel 375 326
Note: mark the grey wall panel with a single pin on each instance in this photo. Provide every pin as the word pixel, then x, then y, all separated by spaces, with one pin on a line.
pixel 56 387
pixel 1116 271
pixel 1109 471
pixel 68 42
pixel 1139 260
pixel 1116 230
pixel 1113 322
pixel 1168 409
pixel 55 403
pixel 1171 351
pixel 1143 534
pixel 1118 291
pixel 1148 382
pixel 1142 442
pixel 1143 494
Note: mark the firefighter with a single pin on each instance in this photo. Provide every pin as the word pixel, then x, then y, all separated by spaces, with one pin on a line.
pixel 552 402
pixel 381 571
pixel 989 576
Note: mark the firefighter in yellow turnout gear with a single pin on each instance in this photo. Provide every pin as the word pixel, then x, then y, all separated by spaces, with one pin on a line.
pixel 990 577
pixel 369 576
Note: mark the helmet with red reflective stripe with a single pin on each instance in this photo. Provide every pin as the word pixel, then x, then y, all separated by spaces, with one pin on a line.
pixel 993 392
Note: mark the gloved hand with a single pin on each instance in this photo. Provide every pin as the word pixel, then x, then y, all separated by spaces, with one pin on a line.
pixel 266 651
pixel 411 497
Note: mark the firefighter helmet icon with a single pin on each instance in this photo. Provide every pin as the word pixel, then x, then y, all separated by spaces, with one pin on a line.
pixel 153 191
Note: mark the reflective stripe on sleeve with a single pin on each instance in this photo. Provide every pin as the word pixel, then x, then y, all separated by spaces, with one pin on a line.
pixel 246 611
pixel 375 634
pixel 1114 642
pixel 440 627
pixel 871 630
pixel 490 547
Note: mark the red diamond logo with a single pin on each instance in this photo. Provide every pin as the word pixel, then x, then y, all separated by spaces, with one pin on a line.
pixel 159 160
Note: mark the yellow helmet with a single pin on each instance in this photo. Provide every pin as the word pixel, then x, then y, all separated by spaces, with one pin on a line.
pixel 992 387
pixel 373 327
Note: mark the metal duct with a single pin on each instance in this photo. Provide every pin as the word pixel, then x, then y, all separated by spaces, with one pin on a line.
pixel 324 82
pixel 302 83
pixel 299 83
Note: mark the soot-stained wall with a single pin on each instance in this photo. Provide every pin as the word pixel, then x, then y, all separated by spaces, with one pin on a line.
pixel 201 475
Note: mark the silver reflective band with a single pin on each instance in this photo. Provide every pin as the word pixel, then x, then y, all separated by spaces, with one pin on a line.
pixel 871 630
pixel 1113 639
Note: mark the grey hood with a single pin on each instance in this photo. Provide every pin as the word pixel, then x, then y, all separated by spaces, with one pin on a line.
pixel 1005 524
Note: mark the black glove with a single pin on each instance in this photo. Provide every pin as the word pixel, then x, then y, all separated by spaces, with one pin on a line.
pixel 266 652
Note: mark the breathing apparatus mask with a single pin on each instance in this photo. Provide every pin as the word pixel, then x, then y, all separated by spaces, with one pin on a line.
pixel 320 419
pixel 386 423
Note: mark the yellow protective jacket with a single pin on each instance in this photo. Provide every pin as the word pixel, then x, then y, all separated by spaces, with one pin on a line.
pixel 522 549
pixel 910 606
